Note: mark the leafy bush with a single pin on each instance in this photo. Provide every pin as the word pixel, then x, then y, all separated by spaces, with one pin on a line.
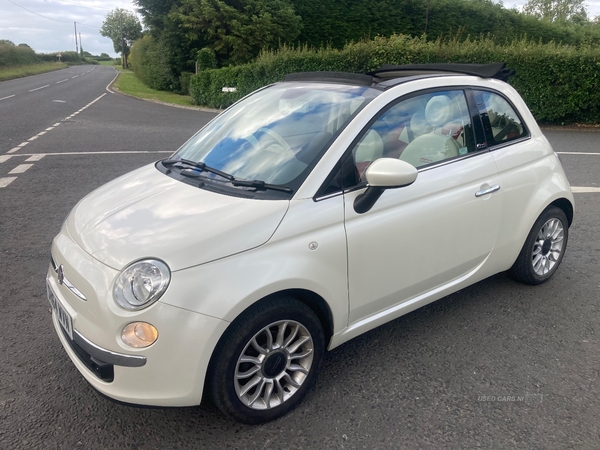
pixel 561 84
pixel 337 22
pixel 149 63
pixel 69 57
pixel 184 82
pixel 13 55
pixel 206 59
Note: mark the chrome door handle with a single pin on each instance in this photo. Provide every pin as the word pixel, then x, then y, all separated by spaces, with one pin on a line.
pixel 487 191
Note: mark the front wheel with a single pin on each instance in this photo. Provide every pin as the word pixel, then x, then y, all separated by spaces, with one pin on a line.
pixel 267 361
pixel 544 248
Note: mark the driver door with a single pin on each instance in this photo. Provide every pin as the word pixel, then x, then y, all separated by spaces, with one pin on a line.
pixel 441 228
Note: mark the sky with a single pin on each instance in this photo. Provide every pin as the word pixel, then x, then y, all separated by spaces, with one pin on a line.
pixel 47 25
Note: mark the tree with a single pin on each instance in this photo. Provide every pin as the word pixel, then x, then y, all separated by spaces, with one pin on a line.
pixel 6 42
pixel 237 30
pixel 123 28
pixel 557 11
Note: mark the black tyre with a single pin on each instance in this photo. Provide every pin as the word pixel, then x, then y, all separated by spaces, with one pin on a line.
pixel 266 361
pixel 544 248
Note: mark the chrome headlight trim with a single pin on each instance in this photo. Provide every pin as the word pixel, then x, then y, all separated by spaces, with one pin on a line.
pixel 141 284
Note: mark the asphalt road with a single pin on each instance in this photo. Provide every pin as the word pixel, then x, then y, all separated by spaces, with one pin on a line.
pixel 497 365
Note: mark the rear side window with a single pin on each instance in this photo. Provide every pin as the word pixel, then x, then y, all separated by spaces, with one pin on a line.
pixel 501 123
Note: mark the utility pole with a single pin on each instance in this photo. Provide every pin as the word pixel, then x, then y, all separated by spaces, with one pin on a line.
pixel 76 47
pixel 123 57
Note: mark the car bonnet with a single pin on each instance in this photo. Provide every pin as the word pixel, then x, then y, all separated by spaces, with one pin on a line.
pixel 146 214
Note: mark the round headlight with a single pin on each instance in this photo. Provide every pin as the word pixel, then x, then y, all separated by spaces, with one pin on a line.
pixel 141 284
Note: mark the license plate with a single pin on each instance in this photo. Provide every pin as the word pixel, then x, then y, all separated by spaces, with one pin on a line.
pixel 64 318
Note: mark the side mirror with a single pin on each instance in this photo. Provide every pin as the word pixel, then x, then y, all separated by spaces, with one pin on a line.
pixel 382 174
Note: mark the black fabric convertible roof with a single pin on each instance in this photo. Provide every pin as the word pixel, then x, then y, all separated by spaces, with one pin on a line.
pixel 495 70
pixel 381 78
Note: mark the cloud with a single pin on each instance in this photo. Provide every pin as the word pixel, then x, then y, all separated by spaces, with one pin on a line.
pixel 47 26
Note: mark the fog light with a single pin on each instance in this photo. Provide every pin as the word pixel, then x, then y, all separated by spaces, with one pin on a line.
pixel 139 334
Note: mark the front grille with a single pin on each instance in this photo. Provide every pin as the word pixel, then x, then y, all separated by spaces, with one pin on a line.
pixel 101 369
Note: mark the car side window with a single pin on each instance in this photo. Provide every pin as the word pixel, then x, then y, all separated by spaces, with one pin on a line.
pixel 420 130
pixel 500 121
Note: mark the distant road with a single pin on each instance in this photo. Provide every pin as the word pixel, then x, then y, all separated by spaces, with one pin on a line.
pixel 30 105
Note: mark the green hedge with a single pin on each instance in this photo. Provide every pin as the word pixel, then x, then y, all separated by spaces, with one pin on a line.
pixel 69 57
pixel 561 84
pixel 13 55
pixel 337 22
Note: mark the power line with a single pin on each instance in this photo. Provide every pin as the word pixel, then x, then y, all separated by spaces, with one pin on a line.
pixel 49 18
pixel 81 5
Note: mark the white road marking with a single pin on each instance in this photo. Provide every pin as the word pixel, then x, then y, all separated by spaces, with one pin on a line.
pixel 21 168
pixel 59 101
pixel 113 80
pixel 581 189
pixel 32 138
pixel 34 158
pixel 41 133
pixel 62 81
pixel 56 124
pixel 4 98
pixel 74 77
pixel 4 158
pixel 37 89
pixel 578 153
pixel 86 106
pixel 50 128
pixel 18 147
pixel 6 181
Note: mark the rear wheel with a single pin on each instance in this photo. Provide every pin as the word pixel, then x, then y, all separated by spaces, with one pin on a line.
pixel 267 361
pixel 544 248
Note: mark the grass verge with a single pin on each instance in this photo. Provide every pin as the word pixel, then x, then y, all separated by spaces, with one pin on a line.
pixel 128 83
pixel 33 69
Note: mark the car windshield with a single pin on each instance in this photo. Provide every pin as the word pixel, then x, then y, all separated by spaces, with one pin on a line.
pixel 277 134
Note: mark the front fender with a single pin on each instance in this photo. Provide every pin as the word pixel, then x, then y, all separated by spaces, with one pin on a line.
pixel 308 251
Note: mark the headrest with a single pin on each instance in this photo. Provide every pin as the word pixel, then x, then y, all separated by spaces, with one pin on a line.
pixel 439 111
pixel 418 124
pixel 370 147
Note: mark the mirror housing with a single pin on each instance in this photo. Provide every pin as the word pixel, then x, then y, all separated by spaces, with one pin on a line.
pixel 382 174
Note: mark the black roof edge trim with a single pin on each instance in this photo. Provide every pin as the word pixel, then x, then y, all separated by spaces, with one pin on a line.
pixel 331 77
pixel 494 70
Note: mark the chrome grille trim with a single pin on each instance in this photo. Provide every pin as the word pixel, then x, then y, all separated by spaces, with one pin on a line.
pixel 66 281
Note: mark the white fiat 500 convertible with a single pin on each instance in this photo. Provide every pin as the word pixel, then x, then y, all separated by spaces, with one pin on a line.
pixel 311 211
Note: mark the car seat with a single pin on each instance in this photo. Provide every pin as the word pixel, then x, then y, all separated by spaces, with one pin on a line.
pixel 433 146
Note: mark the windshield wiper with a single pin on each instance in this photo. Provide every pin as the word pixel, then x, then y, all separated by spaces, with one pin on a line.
pixel 258 184
pixel 197 165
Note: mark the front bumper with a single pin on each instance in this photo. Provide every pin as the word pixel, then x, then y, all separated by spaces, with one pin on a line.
pixel 170 372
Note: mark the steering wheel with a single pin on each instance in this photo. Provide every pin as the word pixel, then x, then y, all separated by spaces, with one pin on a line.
pixel 277 138
pixel 252 141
